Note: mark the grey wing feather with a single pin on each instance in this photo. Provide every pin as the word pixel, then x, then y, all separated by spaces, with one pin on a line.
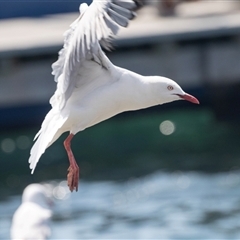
pixel 119 19
pixel 128 4
pixel 57 67
pixel 123 11
pixel 97 24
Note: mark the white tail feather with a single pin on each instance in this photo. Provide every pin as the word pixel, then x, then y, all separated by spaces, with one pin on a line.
pixel 46 136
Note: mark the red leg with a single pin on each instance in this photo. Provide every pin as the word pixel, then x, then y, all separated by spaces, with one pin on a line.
pixel 73 170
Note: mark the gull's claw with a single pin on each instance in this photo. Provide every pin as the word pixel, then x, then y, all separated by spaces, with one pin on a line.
pixel 73 178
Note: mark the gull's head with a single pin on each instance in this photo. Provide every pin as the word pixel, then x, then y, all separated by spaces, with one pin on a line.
pixel 38 194
pixel 169 91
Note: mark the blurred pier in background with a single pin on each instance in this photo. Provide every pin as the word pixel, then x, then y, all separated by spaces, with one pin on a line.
pixel 198 47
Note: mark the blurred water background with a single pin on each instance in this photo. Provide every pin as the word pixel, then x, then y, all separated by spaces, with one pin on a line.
pixel 177 205
pixel 169 172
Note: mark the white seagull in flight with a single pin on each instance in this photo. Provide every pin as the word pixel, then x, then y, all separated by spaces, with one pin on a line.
pixel 91 89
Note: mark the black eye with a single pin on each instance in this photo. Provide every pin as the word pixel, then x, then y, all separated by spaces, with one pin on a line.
pixel 170 88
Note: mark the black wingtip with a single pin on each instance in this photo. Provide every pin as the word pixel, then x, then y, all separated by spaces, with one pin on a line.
pixel 139 4
pixel 134 15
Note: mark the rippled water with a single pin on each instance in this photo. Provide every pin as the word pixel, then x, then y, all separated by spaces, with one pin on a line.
pixel 163 206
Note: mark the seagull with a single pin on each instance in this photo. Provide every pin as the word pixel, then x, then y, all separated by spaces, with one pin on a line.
pixel 31 220
pixel 90 88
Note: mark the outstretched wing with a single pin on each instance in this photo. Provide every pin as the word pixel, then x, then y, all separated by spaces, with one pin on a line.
pixel 98 23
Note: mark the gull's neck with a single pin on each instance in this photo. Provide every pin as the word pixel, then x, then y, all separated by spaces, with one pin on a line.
pixel 140 92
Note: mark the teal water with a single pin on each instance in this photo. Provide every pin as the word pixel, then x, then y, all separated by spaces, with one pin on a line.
pixel 167 175
pixel 126 146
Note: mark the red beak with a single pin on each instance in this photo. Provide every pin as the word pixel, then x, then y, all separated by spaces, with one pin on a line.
pixel 189 98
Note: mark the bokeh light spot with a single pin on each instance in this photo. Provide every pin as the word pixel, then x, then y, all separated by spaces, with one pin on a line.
pixel 61 191
pixel 167 127
pixel 8 145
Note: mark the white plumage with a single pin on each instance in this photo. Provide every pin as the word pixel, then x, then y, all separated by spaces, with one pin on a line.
pixel 90 88
pixel 31 220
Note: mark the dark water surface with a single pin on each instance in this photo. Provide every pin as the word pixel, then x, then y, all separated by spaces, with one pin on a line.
pixel 133 144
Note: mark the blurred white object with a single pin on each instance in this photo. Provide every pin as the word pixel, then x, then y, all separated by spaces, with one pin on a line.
pixel 32 219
